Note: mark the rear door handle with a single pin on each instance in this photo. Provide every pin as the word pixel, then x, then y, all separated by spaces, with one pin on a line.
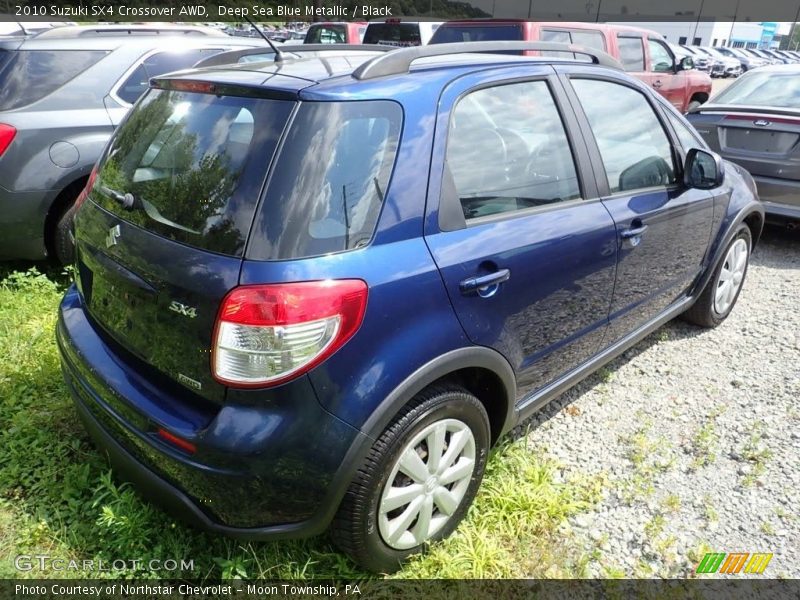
pixel 633 232
pixel 484 285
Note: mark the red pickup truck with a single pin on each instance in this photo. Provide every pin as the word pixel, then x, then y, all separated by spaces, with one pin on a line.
pixel 643 53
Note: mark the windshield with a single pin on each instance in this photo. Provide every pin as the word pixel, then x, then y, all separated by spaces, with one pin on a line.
pixel 393 34
pixel 764 88
pixel 190 166
pixel 327 34
pixel 476 33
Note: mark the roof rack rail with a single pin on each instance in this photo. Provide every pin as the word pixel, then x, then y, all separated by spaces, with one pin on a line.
pixel 399 61
pixel 78 31
pixel 233 56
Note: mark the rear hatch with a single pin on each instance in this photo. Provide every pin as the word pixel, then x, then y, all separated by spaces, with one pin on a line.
pixel 756 123
pixel 161 238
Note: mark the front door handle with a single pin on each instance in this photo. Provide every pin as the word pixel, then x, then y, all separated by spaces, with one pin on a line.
pixel 484 285
pixel 657 83
pixel 632 236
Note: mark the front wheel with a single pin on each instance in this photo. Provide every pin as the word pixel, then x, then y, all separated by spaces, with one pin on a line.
pixel 721 292
pixel 417 482
pixel 693 104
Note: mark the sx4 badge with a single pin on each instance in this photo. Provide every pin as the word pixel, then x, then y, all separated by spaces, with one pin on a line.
pixel 183 309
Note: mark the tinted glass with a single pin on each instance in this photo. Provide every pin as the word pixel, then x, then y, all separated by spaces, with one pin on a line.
pixel 631 53
pixel 193 166
pixel 329 181
pixel 507 150
pixel 157 64
pixel 660 59
pixel 30 75
pixel 635 149
pixel 764 88
pixel 327 34
pixel 393 34
pixel 476 33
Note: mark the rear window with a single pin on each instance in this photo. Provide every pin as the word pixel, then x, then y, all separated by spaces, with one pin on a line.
pixel 588 38
pixel 476 33
pixel 29 75
pixel 631 53
pixel 393 34
pixel 326 34
pixel 190 166
pixel 763 88
pixel 329 181
pixel 157 64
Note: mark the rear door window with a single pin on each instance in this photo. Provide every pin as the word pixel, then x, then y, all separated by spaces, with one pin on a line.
pixel 158 64
pixel 631 53
pixel 507 150
pixel 328 185
pixel 588 38
pixel 190 166
pixel 27 76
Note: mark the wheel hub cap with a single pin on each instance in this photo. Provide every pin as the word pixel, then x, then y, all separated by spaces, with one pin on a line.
pixel 426 484
pixel 730 276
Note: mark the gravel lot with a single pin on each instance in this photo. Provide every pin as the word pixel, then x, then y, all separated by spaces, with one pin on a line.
pixel 696 433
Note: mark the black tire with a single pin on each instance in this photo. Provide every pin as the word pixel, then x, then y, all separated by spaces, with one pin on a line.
pixel 63 240
pixel 704 312
pixel 355 528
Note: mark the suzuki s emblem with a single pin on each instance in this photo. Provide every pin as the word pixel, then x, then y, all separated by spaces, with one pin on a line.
pixel 113 236
pixel 182 309
pixel 762 123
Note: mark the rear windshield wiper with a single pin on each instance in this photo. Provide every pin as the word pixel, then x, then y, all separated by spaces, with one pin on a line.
pixel 131 202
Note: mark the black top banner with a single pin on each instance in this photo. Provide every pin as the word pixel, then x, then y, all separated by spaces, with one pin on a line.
pixel 343 10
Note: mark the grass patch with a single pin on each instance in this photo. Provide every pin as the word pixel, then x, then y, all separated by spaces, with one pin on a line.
pixel 58 496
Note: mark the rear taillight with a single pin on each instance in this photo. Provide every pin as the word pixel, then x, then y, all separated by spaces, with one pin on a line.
pixel 269 334
pixel 7 135
pixel 86 189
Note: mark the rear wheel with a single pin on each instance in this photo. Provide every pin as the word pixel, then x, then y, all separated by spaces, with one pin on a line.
pixel 63 241
pixel 694 104
pixel 418 480
pixel 722 291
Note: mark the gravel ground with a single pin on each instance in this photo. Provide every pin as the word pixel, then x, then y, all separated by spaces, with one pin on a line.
pixel 696 434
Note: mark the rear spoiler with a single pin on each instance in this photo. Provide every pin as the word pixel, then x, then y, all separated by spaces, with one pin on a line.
pixel 745 109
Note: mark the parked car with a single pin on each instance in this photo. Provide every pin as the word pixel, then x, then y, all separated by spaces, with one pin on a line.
pixel 400 32
pixel 347 32
pixel 62 93
pixel 716 66
pixel 771 60
pixel 730 67
pixel 747 61
pixel 645 54
pixel 342 348
pixel 702 61
pixel 755 122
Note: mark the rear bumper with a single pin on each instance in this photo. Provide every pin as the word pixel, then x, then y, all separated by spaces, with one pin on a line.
pixel 781 197
pixel 258 473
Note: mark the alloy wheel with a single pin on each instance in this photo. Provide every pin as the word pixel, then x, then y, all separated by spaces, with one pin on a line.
pixel 731 276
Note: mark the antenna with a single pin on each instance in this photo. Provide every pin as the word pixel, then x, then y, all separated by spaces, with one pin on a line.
pixel 278 53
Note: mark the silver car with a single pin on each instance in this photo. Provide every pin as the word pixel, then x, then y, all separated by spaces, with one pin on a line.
pixel 62 93
pixel 755 123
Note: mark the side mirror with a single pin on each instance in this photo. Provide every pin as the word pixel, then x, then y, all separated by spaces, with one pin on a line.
pixel 703 170
pixel 686 64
